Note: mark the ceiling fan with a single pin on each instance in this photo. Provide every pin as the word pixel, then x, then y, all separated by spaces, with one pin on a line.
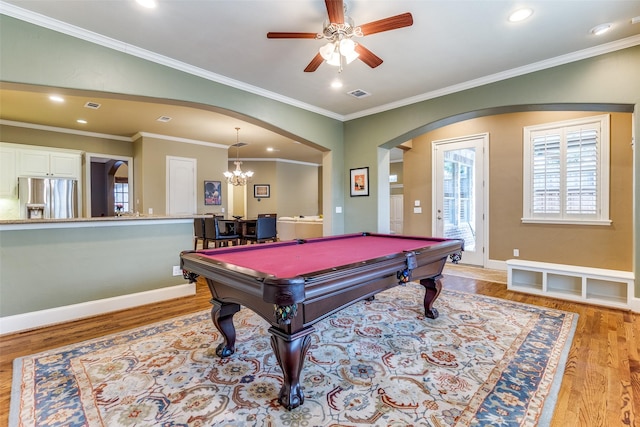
pixel 339 31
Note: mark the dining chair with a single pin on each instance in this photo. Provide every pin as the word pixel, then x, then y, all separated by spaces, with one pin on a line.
pixel 265 231
pixel 198 233
pixel 220 231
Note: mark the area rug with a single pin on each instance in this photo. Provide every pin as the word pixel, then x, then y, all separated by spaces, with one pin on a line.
pixel 484 361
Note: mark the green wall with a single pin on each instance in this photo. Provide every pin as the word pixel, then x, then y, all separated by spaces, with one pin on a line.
pixel 35 55
pixel 45 268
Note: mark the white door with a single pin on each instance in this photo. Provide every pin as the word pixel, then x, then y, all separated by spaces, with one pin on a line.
pixel 459 193
pixel 396 213
pixel 181 186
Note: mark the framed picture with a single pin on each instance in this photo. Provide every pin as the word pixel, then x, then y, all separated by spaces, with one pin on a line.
pixel 261 191
pixel 359 182
pixel 212 193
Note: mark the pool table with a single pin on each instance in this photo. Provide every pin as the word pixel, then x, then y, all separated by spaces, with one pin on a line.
pixel 294 284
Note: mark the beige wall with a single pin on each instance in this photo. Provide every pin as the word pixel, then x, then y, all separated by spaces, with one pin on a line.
pixel 22 135
pixel 594 246
pixel 294 188
pixel 211 162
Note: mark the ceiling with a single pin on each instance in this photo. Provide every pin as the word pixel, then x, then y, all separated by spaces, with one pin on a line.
pixel 452 45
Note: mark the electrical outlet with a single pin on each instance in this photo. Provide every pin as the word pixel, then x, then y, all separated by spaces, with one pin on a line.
pixel 177 271
pixel 516 252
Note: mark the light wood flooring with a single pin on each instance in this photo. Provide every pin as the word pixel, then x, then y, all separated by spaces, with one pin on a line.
pixel 600 386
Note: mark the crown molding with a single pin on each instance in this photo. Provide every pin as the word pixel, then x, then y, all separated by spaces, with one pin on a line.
pixel 64 130
pixel 504 75
pixel 177 139
pixel 80 33
pixel 59 26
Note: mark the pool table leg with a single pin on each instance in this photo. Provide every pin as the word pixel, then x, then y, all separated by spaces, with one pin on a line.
pixel 291 350
pixel 222 316
pixel 432 287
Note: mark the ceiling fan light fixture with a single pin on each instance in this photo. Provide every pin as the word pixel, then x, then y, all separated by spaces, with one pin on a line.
pixel 334 60
pixel 327 51
pixel 347 46
pixel 351 56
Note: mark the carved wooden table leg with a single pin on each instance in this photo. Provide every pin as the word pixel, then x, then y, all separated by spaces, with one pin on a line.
pixel 432 288
pixel 222 316
pixel 290 351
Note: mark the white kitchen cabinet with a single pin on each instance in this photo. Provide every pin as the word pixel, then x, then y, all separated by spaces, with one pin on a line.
pixel 8 173
pixel 48 163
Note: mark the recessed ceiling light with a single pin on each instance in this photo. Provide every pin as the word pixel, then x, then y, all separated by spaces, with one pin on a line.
pixel 56 98
pixel 149 4
pixel 520 15
pixel 600 29
pixel 269 148
pixel 82 121
pixel 336 84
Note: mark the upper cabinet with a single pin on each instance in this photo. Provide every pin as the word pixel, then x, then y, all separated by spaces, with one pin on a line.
pixel 8 175
pixel 48 163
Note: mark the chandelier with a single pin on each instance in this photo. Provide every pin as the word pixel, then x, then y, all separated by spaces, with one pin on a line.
pixel 238 177
pixel 340 46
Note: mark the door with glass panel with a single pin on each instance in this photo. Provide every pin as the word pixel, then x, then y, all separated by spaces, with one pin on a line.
pixel 459 193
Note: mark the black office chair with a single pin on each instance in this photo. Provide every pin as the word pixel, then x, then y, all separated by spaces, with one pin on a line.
pixel 265 231
pixel 220 231
pixel 198 233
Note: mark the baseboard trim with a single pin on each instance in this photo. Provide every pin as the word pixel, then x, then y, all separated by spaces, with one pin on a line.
pixel 494 264
pixel 37 319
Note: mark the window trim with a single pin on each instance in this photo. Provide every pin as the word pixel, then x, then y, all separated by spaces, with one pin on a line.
pixel 602 189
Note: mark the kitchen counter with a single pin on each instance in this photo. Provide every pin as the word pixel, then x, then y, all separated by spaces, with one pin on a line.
pixel 106 221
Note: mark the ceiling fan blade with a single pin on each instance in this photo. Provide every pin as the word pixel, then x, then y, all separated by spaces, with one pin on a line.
pixel 391 23
pixel 335 10
pixel 368 57
pixel 277 35
pixel 314 64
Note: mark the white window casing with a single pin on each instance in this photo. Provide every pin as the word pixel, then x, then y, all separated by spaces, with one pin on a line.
pixel 566 172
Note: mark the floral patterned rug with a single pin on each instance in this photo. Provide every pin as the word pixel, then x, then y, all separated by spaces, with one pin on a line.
pixel 484 361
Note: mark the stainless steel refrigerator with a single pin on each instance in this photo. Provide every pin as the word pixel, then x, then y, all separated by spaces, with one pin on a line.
pixel 48 198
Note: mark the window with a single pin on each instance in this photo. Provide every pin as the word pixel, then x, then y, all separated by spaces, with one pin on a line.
pixel 121 195
pixel 566 172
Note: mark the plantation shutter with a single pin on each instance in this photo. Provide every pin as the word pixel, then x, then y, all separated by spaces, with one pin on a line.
pixel 582 171
pixel 546 173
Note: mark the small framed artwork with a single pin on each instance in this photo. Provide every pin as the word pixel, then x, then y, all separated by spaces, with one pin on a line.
pixel 261 191
pixel 212 193
pixel 359 182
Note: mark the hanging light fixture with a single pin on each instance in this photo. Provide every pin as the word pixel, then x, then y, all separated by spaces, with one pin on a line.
pixel 238 177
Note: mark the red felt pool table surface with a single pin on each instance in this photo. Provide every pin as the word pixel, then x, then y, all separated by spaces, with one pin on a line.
pixel 291 259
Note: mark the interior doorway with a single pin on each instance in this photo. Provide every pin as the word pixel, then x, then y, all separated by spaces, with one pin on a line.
pixel 102 171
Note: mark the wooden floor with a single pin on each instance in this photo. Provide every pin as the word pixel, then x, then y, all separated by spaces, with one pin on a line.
pixel 600 387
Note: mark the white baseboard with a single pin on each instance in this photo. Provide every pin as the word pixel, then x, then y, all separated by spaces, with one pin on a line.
pixel 494 264
pixel 37 319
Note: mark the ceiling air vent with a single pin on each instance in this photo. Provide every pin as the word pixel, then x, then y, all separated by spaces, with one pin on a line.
pixel 239 144
pixel 359 93
pixel 163 119
pixel 92 105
